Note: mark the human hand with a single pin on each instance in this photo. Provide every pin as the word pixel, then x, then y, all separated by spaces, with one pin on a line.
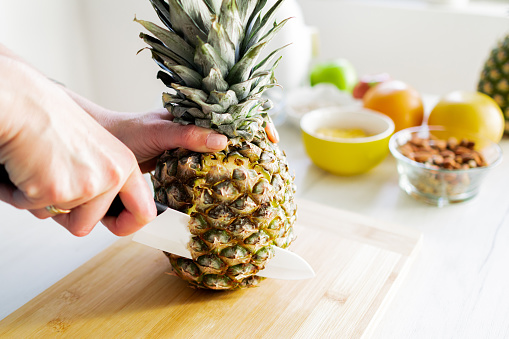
pixel 272 133
pixel 148 135
pixel 57 154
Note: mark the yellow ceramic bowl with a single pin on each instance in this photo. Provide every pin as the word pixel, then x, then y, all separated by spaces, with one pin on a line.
pixel 346 156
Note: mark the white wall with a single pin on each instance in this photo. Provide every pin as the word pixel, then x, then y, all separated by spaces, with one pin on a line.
pixel 124 80
pixel 88 45
pixel 436 49
pixel 91 45
pixel 49 34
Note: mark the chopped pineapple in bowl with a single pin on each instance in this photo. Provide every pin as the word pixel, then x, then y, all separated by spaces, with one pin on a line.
pixel 346 140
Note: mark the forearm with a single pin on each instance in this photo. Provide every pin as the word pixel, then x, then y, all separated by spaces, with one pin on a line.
pixel 4 51
pixel 16 80
pixel 102 115
pixel 58 155
pixel 97 112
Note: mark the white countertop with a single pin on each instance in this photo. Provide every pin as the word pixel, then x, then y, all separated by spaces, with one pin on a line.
pixel 457 288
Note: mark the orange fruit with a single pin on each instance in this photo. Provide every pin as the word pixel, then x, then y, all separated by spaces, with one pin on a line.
pixel 469 113
pixel 399 101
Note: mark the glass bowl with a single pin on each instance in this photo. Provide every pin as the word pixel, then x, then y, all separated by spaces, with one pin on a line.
pixel 433 184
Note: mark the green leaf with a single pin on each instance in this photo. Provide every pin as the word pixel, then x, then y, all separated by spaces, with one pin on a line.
pixel 249 30
pixel 241 111
pixel 199 97
pixel 214 5
pixel 163 60
pixel 184 25
pixel 243 89
pixel 246 8
pixel 265 80
pixel 169 99
pixel 219 39
pixel 199 12
pixel 207 58
pixel 230 20
pixel 248 135
pixel 264 62
pixel 260 4
pixel 227 130
pixel 274 30
pixel 187 112
pixel 242 69
pixel 172 40
pixel 260 26
pixel 178 111
pixel 258 90
pixel 219 119
pixel 160 48
pixel 177 99
pixel 205 123
pixel 197 113
pixel 182 121
pixel 167 79
pixel 190 77
pixel 225 99
pixel 162 9
pixel 215 81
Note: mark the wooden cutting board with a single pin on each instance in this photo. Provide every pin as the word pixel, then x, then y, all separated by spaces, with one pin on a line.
pixel 124 291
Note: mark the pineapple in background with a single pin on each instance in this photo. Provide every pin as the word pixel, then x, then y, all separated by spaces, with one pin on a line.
pixel 494 79
pixel 241 200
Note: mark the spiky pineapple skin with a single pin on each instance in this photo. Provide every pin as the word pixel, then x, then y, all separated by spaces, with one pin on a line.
pixel 241 203
pixel 494 80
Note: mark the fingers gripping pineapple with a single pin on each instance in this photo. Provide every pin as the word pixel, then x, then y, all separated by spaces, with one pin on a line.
pixel 241 199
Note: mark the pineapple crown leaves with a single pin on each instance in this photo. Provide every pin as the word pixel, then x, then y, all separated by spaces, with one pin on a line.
pixel 208 54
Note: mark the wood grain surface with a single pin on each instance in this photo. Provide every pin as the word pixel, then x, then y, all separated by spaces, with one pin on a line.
pixel 125 291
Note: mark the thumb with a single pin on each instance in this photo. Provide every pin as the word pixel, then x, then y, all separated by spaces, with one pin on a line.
pixel 191 137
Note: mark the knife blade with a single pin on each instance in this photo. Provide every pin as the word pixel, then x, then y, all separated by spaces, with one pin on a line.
pixel 169 232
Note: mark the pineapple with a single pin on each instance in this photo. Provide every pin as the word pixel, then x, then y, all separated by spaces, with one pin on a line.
pixel 241 200
pixel 494 79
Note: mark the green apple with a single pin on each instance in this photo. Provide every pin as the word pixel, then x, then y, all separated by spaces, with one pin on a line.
pixel 339 72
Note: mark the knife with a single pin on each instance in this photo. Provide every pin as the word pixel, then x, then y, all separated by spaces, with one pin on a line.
pixel 169 232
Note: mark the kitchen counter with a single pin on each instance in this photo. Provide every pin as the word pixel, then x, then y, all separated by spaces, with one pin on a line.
pixel 457 287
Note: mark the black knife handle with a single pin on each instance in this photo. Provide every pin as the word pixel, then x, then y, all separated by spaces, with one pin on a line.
pixel 116 206
pixel 4 176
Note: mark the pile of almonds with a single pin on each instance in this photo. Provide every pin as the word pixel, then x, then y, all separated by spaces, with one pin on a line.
pixel 447 154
